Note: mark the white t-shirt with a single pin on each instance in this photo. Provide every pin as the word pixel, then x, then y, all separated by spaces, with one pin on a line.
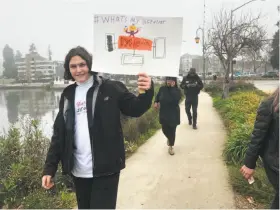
pixel 82 153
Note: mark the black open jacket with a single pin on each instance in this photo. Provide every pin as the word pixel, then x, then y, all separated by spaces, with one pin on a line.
pixel 169 99
pixel 265 137
pixel 191 92
pixel 104 125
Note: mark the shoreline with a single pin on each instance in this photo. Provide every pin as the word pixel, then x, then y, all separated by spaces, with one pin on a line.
pixel 32 86
pixel 44 87
pixel 20 86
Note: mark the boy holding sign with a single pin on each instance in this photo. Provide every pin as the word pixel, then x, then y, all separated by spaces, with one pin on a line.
pixel 87 136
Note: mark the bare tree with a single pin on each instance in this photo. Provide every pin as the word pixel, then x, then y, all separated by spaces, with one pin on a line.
pixel 246 32
pixel 32 48
pixel 266 57
pixel 50 53
pixel 258 47
pixel 18 55
pixel 257 55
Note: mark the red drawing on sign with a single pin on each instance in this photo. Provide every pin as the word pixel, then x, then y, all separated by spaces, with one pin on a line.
pixel 129 41
pixel 134 43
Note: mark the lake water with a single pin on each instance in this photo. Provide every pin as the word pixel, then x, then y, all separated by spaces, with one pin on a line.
pixel 38 104
pixel 34 103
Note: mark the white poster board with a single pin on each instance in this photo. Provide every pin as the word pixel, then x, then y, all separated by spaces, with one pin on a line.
pixel 132 44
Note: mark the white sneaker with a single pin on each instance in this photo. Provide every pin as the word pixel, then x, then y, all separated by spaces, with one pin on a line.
pixel 171 150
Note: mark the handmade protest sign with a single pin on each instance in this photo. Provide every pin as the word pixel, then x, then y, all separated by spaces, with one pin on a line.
pixel 132 44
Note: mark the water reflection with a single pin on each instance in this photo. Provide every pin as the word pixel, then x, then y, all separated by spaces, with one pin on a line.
pixel 38 104
pixel 12 99
pixel 35 103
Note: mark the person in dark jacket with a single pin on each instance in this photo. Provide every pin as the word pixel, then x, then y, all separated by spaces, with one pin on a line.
pixel 167 100
pixel 265 143
pixel 214 77
pixel 192 85
pixel 87 136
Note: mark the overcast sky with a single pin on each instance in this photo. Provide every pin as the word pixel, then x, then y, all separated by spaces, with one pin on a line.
pixel 67 23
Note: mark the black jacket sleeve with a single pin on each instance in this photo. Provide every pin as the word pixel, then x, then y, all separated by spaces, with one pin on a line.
pixel 158 95
pixel 134 106
pixel 199 83
pixel 175 95
pixel 54 152
pixel 178 95
pixel 262 123
pixel 183 83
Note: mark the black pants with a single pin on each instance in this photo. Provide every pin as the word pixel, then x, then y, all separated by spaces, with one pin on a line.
pixel 97 192
pixel 273 178
pixel 170 133
pixel 192 103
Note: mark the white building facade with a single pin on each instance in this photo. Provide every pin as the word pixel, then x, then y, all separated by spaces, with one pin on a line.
pixel 185 64
pixel 1 67
pixel 34 68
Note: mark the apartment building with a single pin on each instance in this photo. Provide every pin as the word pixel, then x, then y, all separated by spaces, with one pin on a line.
pixel 35 68
pixel 185 64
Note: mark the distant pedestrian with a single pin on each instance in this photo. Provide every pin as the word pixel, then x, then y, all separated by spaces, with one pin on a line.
pixel 192 85
pixel 167 100
pixel 265 143
pixel 214 77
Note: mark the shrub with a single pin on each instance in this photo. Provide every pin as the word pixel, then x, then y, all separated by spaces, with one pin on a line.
pixel 239 113
pixel 137 130
pixel 22 156
pixel 216 87
pixel 261 190
pixel 241 85
pixel 237 144
pixel 42 199
pixel 9 150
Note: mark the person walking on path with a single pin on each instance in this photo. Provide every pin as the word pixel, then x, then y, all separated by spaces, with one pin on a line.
pixel 87 136
pixel 192 85
pixel 214 77
pixel 167 101
pixel 265 143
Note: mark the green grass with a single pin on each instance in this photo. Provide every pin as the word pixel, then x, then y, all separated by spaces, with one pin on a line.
pixel 260 190
pixel 132 147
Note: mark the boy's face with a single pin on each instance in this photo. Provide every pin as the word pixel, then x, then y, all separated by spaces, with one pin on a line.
pixel 79 69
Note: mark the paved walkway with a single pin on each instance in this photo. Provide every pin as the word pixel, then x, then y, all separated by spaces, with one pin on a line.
pixel 195 177
pixel 267 86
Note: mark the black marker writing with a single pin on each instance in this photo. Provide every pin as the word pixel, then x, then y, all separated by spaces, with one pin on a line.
pixel 110 19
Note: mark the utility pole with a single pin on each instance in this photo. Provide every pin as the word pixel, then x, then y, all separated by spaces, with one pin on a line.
pixel 203 43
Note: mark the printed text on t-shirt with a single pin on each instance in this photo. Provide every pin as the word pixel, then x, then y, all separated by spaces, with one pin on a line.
pixel 81 107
